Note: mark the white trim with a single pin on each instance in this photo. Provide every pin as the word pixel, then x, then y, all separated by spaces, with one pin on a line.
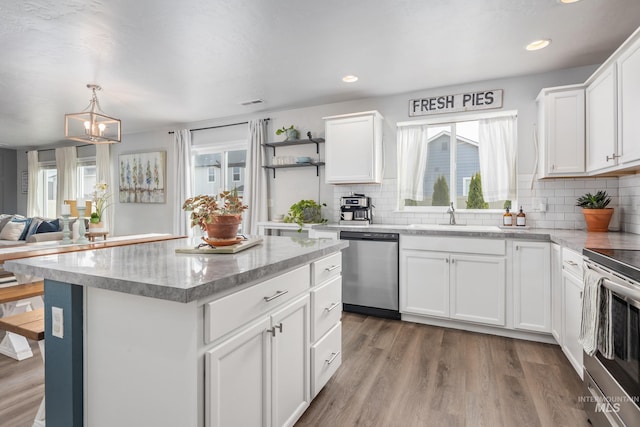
pixel 459 117
pixel 217 147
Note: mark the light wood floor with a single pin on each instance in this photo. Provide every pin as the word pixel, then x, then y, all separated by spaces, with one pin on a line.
pixel 397 373
pixel 21 388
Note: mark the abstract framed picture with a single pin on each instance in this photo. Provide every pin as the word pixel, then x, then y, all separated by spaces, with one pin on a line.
pixel 142 177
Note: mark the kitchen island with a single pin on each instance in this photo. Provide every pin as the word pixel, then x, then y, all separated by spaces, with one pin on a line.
pixel 146 336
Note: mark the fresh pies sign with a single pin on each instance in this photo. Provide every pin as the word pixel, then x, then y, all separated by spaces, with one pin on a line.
pixel 468 101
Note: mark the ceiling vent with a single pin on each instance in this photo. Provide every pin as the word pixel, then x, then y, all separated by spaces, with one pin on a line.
pixel 252 101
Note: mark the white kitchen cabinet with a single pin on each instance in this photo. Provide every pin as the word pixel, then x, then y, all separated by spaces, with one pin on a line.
pixel 628 66
pixel 572 288
pixel 532 286
pixel 477 288
pixel 353 148
pixel 424 283
pixel 466 283
pixel 556 292
pixel 602 121
pixel 561 131
pixel 262 372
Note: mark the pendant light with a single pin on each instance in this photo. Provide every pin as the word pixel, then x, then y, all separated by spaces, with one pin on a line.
pixel 92 125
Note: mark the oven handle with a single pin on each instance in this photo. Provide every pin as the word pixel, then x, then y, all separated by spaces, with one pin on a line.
pixel 616 287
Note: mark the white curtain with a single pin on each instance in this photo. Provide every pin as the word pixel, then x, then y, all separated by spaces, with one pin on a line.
pixel 412 161
pixel 255 194
pixel 184 184
pixel 66 164
pixel 497 148
pixel 33 205
pixel 103 174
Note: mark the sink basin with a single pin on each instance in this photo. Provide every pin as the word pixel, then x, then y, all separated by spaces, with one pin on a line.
pixel 457 227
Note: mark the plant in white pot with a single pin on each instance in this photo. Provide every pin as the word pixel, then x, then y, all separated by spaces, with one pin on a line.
pixel 101 201
pixel 219 216
pixel 290 132
pixel 596 213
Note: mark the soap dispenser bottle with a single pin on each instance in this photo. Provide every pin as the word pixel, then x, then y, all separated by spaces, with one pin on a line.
pixel 521 219
pixel 507 218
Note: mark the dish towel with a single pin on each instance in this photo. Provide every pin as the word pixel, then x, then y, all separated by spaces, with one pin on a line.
pixel 590 325
pixel 605 337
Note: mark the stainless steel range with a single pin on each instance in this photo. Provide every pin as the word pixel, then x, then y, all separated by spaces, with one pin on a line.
pixel 614 384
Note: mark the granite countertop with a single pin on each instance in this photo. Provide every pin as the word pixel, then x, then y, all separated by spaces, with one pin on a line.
pixel 572 239
pixel 155 270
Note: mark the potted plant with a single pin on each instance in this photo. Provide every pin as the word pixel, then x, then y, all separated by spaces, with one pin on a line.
pixel 290 132
pixel 100 199
pixel 305 212
pixel 219 216
pixel 594 208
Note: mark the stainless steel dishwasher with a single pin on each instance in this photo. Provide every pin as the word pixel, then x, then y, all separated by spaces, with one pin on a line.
pixel 370 273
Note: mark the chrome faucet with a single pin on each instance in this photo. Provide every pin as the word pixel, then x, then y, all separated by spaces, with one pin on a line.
pixel 452 215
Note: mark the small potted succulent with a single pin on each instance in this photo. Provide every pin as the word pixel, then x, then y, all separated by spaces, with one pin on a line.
pixel 305 212
pixel 594 208
pixel 219 216
pixel 290 132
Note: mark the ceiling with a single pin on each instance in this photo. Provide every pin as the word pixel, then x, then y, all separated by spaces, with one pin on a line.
pixel 164 62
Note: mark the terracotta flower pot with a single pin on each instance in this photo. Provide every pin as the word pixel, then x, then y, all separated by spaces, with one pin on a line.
pixel 224 227
pixel 597 219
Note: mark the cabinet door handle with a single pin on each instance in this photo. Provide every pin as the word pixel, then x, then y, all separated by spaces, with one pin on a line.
pixel 333 267
pixel 276 295
pixel 272 331
pixel 517 248
pixel 278 326
pixel 572 263
pixel 581 294
pixel 332 306
pixel 332 358
pixel 613 157
pixel 446 260
pixel 453 260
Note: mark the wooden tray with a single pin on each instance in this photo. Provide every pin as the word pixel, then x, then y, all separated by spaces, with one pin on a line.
pixel 231 249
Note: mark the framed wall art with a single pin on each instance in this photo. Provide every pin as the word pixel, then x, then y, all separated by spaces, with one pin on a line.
pixel 143 177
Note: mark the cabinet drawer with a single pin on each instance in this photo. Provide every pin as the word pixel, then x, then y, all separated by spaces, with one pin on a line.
pixel 454 244
pixel 572 262
pixel 226 314
pixel 326 357
pixel 326 268
pixel 326 303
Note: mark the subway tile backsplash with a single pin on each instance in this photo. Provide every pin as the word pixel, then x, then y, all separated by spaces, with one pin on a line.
pixel 557 195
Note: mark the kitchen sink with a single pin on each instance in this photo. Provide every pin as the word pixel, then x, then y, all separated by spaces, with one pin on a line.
pixel 457 227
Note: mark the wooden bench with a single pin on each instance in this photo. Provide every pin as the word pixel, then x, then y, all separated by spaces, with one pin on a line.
pixel 29 324
pixel 18 292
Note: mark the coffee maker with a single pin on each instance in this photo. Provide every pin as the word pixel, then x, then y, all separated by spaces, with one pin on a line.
pixel 356 209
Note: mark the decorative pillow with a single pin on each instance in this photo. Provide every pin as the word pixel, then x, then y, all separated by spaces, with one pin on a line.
pixel 35 223
pixel 4 219
pixel 27 223
pixel 48 226
pixel 12 230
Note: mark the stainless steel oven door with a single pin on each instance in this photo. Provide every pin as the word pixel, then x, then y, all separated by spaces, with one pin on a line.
pixel 619 378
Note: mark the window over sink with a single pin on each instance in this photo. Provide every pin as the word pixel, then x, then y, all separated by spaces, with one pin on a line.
pixel 469 161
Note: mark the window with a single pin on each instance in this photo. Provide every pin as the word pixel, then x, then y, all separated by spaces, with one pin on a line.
pixel 444 163
pixel 86 178
pixel 235 174
pixel 47 188
pixel 218 167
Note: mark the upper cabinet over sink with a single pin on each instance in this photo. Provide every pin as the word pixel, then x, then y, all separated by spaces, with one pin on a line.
pixel 353 148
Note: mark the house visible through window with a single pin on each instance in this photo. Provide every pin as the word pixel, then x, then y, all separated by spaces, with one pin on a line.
pixel 442 163
pixel 219 167
pixel 48 184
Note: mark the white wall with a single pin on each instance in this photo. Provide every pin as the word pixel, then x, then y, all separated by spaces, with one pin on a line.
pixel 295 184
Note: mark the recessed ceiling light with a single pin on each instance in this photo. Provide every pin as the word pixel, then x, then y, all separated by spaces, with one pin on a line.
pixel 568 1
pixel 350 79
pixel 538 44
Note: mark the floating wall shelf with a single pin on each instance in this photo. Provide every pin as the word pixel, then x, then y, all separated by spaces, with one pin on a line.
pixel 296 165
pixel 289 142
